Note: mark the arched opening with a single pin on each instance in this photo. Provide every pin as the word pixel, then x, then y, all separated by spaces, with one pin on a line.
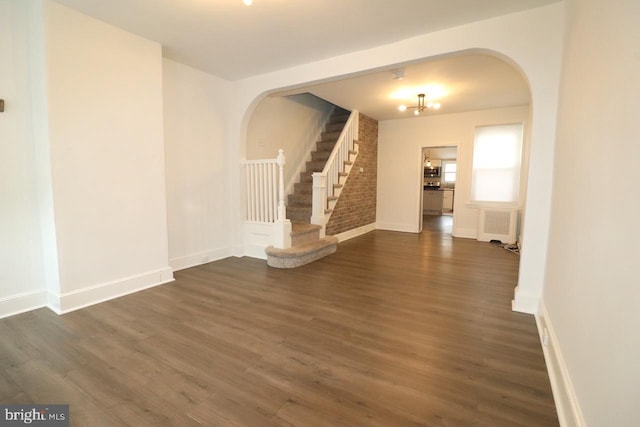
pixel 538 42
pixel 474 87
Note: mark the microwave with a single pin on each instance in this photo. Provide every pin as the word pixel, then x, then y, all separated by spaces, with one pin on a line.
pixel 431 172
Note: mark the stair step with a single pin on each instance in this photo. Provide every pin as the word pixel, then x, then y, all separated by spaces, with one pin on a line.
pixel 331 127
pixel 305 177
pixel 300 255
pixel 338 185
pixel 302 233
pixel 332 198
pixel 303 188
pixel 325 145
pixel 348 163
pixel 298 228
pixel 315 166
pixel 318 156
pixel 339 118
pixel 343 174
pixel 299 213
pixel 326 136
pixel 299 200
pixel 328 141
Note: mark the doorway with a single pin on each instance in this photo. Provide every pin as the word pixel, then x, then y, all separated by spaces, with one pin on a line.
pixel 437 188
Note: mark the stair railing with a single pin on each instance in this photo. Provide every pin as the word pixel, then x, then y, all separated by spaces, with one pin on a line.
pixel 265 197
pixel 325 183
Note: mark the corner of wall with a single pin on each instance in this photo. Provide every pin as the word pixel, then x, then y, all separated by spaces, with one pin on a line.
pixel 524 302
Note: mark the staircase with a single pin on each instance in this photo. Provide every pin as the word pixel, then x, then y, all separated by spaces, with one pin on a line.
pixel 306 244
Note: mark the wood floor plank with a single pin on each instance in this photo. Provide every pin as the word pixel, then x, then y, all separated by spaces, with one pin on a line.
pixel 394 329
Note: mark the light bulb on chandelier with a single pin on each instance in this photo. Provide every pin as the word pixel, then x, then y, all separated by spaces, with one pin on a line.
pixel 421 105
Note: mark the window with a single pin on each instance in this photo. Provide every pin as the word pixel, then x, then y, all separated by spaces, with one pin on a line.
pixel 497 151
pixel 449 171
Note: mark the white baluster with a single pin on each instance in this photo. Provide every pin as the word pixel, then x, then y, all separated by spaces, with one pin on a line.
pixel 272 195
pixel 249 195
pixel 252 206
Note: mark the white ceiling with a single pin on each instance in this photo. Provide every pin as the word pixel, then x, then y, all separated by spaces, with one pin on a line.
pixel 460 83
pixel 233 41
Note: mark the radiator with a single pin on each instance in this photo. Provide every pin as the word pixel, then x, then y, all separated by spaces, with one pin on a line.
pixel 497 224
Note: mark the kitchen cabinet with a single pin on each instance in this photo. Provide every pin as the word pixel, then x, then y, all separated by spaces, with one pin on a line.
pixel 447 200
pixel 432 202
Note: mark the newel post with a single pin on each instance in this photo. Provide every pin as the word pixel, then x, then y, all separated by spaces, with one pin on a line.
pixel 319 201
pixel 282 228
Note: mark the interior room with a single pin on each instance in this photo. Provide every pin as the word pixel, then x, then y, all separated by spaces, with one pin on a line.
pixel 286 213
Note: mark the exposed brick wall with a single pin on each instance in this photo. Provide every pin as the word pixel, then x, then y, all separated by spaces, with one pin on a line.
pixel 356 206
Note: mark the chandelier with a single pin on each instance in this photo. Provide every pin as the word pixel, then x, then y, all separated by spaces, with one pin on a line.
pixel 422 105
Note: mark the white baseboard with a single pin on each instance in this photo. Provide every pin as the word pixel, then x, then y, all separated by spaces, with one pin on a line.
pixel 355 232
pixel 20 303
pixel 564 395
pixel 255 251
pixel 465 233
pixel 91 295
pixel 405 228
pixel 524 303
pixel 180 263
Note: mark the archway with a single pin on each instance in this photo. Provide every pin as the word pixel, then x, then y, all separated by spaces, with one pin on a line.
pixel 535 48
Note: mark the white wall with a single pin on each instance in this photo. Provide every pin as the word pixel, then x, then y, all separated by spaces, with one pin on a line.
pixel 292 123
pixel 400 175
pixel 107 158
pixel 592 290
pixel 197 167
pixel 22 281
pixel 532 40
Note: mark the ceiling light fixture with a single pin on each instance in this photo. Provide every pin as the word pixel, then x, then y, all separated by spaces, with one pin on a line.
pixel 421 105
pixel 247 2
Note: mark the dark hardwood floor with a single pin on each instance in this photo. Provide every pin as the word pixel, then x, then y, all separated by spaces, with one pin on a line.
pixel 393 330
